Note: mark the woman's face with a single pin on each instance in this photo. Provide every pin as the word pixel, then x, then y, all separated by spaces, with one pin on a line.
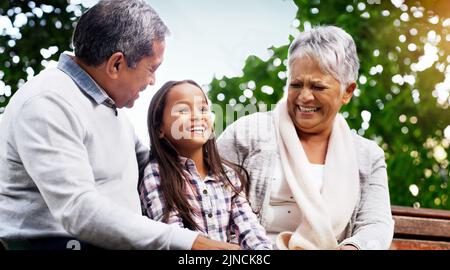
pixel 187 120
pixel 314 98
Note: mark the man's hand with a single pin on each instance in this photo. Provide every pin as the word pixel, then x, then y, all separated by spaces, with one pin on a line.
pixel 203 243
pixel 347 247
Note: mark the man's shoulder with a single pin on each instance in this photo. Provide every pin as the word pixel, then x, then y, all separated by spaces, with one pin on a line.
pixel 50 82
pixel 48 78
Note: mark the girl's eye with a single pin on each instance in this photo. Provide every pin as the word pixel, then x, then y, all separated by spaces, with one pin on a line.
pixel 183 111
pixel 205 110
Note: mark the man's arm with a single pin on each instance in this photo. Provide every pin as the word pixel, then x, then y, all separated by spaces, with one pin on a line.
pixel 142 156
pixel 203 243
pixel 49 139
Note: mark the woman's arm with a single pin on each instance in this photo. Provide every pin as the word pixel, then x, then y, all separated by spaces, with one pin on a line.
pixel 374 226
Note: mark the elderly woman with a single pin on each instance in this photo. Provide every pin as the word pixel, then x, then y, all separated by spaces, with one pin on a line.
pixel 313 182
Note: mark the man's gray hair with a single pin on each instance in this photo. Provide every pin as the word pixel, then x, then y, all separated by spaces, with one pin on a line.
pixel 110 26
pixel 333 49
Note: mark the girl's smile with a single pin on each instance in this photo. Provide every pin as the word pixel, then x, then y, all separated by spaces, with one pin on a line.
pixel 186 118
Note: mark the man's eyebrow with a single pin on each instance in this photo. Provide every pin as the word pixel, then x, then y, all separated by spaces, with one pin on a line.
pixel 153 67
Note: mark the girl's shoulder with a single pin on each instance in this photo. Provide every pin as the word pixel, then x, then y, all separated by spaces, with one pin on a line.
pixel 228 169
pixel 232 174
pixel 151 172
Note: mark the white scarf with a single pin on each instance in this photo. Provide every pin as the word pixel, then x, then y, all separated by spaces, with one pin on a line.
pixel 325 213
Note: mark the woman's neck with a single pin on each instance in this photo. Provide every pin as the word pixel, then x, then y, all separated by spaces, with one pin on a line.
pixel 315 146
pixel 197 157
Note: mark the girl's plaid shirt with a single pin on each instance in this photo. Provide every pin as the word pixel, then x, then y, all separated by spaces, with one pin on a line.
pixel 220 215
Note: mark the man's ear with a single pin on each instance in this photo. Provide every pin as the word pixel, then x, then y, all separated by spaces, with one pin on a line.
pixel 348 93
pixel 114 64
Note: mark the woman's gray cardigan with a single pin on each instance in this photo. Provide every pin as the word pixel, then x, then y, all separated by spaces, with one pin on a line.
pixel 251 142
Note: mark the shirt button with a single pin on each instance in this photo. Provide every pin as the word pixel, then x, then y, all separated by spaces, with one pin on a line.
pixel 210 215
pixel 205 191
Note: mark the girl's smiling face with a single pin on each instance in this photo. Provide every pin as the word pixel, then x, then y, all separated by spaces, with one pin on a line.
pixel 186 122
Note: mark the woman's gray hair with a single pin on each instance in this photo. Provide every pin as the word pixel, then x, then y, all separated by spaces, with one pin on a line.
pixel 333 49
pixel 110 26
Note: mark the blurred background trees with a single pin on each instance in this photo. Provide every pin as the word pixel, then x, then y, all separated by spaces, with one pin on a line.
pixel 402 100
pixel 32 35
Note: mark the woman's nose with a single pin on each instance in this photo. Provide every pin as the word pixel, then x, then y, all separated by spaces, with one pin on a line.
pixel 306 95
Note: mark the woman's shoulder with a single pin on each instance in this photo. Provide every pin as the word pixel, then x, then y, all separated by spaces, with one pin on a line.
pixel 257 126
pixel 368 152
pixel 257 118
pixel 366 146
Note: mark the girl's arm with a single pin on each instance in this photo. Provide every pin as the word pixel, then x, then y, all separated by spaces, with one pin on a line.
pixel 244 223
pixel 152 200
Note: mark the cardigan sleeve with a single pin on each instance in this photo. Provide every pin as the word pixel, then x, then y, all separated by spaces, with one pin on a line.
pixel 374 226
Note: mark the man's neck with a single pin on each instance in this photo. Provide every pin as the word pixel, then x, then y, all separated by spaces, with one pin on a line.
pixel 94 72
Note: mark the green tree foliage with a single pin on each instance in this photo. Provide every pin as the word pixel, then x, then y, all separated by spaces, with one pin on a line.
pixel 32 34
pixel 400 102
pixel 397 103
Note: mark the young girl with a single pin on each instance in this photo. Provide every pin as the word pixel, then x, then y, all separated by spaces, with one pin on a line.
pixel 186 182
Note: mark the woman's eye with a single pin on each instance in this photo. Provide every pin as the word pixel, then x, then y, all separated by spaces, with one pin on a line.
pixel 296 85
pixel 318 87
pixel 205 110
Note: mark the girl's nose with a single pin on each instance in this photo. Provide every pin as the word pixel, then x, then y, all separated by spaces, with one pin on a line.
pixel 196 115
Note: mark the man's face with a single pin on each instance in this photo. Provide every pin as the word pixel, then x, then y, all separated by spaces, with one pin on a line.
pixel 134 80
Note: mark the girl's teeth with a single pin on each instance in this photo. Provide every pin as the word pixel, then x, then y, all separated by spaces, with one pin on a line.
pixel 197 129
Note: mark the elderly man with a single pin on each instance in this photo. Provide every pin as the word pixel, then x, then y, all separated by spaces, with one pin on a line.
pixel 69 160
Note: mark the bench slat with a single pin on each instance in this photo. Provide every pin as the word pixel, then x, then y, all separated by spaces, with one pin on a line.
pixel 419 244
pixel 414 226
pixel 420 212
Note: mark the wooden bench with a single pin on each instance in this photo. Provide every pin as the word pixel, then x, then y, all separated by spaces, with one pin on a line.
pixel 421 228
pixel 417 228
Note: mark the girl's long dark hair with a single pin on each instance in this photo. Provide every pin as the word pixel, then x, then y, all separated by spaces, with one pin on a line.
pixel 173 179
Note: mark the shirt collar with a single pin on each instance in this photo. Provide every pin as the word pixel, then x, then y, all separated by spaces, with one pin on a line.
pixel 189 165
pixel 84 81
